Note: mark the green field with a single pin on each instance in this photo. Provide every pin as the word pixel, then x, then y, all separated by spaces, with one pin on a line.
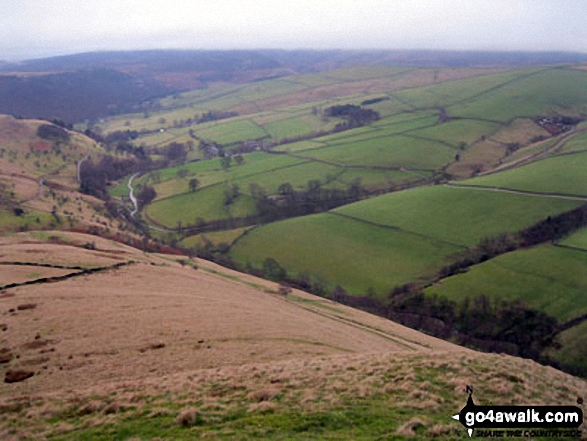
pixel 576 143
pixel 458 131
pixel 297 175
pixel 459 216
pixel 548 91
pixel 341 251
pixel 547 277
pixel 564 174
pixel 231 132
pixel 387 152
pixel 211 172
pixel 381 179
pixel 577 239
pixel 450 92
pixel 297 126
pixel 207 204
pixel 298 146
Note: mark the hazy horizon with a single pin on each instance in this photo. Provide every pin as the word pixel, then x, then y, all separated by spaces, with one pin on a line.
pixel 30 29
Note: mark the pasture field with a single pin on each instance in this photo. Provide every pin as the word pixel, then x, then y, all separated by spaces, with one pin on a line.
pixel 457 132
pixel 452 92
pixel 297 175
pixel 389 107
pixel 577 239
pixel 298 146
pixel 231 132
pixel 381 130
pixel 206 203
pixel 267 170
pixel 336 250
pixel 547 277
pixel 406 116
pixel 381 179
pixel 456 215
pixel 529 95
pixel 119 190
pixel 364 73
pixel 392 152
pixel 297 126
pixel 562 174
pixel 211 172
pixel 576 144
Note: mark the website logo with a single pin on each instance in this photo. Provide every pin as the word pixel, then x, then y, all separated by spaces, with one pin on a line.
pixel 546 421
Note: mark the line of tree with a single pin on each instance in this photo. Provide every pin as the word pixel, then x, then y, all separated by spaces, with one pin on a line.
pixel 212 115
pixel 290 203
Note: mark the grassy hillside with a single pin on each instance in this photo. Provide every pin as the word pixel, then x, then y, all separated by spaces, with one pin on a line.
pixel 38 177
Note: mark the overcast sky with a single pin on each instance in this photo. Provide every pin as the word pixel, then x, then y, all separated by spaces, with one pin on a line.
pixel 36 28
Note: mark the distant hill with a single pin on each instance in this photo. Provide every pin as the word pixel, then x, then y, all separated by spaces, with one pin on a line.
pixel 97 84
pixel 74 96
